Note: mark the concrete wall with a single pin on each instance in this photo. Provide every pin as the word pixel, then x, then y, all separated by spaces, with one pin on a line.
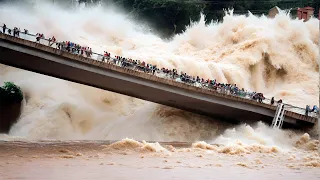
pixel 49 61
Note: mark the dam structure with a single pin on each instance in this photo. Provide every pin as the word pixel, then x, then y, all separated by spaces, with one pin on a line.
pixel 43 59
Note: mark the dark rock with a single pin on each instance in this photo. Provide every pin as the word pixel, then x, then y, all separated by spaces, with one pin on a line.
pixel 9 114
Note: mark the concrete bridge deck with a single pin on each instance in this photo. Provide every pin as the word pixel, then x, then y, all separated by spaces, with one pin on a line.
pixel 46 60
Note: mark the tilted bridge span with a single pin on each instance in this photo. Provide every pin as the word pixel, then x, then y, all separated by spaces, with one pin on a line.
pixel 40 58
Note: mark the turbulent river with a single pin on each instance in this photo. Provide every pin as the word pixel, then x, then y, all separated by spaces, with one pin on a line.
pixel 278 57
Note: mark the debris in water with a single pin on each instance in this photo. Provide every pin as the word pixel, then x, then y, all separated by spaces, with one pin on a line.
pixel 258 161
pixel 125 153
pixel 242 164
pixel 167 167
pixel 65 151
pixel 67 156
pixel 292 166
pixel 79 154
pixel 199 155
pixel 216 165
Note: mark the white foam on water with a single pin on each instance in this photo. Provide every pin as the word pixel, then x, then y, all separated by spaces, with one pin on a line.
pixel 278 57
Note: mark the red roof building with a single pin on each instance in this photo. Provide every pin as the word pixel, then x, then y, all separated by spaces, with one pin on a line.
pixel 305 13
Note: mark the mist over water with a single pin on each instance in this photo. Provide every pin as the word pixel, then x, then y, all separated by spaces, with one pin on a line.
pixel 278 57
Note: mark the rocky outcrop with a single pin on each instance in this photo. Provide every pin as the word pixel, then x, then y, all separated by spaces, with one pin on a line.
pixel 10 105
pixel 9 114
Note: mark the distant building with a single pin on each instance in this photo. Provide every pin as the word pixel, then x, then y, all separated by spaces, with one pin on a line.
pixel 273 12
pixel 305 13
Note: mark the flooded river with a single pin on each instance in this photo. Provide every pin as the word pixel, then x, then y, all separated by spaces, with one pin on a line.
pixel 278 57
pixel 129 159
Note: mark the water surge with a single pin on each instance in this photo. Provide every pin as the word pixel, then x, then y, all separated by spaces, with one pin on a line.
pixel 278 57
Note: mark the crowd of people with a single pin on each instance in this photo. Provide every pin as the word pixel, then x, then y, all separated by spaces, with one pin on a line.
pixel 15 33
pixel 74 48
pixel 68 46
pixel 142 66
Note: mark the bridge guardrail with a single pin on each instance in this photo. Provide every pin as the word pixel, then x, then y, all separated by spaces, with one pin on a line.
pixel 130 65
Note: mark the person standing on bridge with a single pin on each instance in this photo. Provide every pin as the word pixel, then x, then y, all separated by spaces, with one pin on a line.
pixel 17 32
pixel 38 37
pixel 78 49
pixel 315 109
pixel 272 101
pixel 90 52
pixel 53 39
pixel 307 110
pixel 14 31
pixel 4 27
pixel 154 69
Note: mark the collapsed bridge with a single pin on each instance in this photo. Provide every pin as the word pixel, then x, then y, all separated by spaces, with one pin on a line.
pixel 50 61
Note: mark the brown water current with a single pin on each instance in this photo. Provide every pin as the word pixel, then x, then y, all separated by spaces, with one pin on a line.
pixel 129 159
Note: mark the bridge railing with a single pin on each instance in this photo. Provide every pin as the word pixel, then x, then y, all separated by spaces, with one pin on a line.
pixel 159 73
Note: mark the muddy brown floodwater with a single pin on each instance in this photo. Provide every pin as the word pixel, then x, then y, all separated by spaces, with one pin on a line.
pixel 129 159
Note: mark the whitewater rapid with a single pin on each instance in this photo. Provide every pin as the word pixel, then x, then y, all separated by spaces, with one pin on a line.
pixel 278 57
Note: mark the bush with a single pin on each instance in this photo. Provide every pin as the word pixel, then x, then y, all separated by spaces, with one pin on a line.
pixel 10 93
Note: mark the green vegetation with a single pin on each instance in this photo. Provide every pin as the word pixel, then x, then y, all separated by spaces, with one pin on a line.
pixel 10 93
pixel 170 17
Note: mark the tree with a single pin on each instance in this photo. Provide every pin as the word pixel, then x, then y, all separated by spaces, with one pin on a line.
pixel 169 17
pixel 10 93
